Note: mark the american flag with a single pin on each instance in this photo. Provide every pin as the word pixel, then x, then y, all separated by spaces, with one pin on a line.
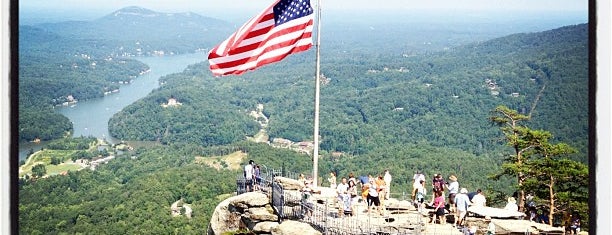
pixel 282 29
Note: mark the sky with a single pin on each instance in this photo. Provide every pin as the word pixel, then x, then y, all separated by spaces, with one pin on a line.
pixel 225 9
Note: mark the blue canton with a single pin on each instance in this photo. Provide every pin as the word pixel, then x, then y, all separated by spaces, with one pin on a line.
pixel 287 10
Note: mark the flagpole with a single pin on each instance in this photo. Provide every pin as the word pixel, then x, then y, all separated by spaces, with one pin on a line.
pixel 315 152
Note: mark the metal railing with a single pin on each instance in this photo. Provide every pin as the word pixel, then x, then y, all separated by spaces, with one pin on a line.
pixel 322 215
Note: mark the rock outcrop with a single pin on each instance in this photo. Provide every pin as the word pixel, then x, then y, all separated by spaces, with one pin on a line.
pixel 252 211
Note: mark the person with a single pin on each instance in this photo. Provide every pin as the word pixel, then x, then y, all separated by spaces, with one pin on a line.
pixel 437 184
pixel 453 189
pixel 542 217
pixel 257 176
pixel 342 191
pixel 575 224
pixel 302 179
pixel 381 189
pixel 373 197
pixel 439 205
pixel 351 177
pixel 462 202
pixel 479 199
pixel 416 182
pixel 387 177
pixel 511 205
pixel 490 226
pixel 354 196
pixel 420 197
pixel 332 180
pixel 248 176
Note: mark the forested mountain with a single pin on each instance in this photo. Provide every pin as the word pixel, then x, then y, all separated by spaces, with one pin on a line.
pixel 369 103
pixel 79 60
pixel 139 31
pixel 393 107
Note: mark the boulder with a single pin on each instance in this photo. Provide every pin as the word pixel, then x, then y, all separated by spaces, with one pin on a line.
pixel 288 183
pixel 250 199
pixel 264 227
pixel 262 214
pixel 494 212
pixel 224 220
pixel 291 227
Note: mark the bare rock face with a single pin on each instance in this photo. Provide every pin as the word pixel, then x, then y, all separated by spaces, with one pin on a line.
pixel 288 183
pixel 223 219
pixel 228 214
pixel 291 227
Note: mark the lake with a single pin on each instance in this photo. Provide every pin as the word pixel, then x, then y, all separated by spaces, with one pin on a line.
pixel 90 117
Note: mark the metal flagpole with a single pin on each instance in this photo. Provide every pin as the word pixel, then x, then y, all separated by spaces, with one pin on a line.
pixel 315 152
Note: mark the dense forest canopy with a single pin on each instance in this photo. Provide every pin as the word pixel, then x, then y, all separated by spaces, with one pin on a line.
pixel 386 100
pixel 414 102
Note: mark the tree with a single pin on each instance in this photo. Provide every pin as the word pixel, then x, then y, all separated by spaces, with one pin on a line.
pixel 522 139
pixel 553 167
pixel 39 170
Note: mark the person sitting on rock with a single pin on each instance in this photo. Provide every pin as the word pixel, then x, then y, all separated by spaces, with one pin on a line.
pixel 511 205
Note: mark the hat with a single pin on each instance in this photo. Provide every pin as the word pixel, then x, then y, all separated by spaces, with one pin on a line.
pixel 453 178
pixel 463 190
pixel 488 218
pixel 511 199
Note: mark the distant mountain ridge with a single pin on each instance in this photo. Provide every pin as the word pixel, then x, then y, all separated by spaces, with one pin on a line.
pixel 141 31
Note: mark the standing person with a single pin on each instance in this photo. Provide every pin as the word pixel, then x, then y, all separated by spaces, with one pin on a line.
pixel 248 176
pixel 437 184
pixel 439 203
pixel 387 179
pixel 416 181
pixel 420 197
pixel 332 179
pixel 354 195
pixel 342 191
pixel 381 187
pixel 462 202
pixel 453 189
pixel 257 175
pixel 373 197
pixel 575 224
pixel 479 199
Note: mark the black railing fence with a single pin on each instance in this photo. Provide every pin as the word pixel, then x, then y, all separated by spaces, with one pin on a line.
pixel 324 215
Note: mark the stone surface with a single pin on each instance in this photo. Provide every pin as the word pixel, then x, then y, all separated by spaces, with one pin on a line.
pixel 261 214
pixel 250 199
pixel 494 212
pixel 288 183
pixel 223 220
pixel 264 227
pixel 290 227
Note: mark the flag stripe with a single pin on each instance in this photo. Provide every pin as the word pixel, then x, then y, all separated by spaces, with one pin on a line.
pixel 268 48
pixel 260 41
pixel 279 35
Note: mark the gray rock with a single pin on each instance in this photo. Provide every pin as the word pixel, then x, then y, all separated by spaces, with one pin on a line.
pixel 291 227
pixel 250 199
pixel 288 183
pixel 264 227
pixel 223 220
pixel 262 214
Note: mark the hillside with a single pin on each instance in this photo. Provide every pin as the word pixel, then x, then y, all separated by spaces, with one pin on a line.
pixel 140 31
pixel 369 103
pixel 383 111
